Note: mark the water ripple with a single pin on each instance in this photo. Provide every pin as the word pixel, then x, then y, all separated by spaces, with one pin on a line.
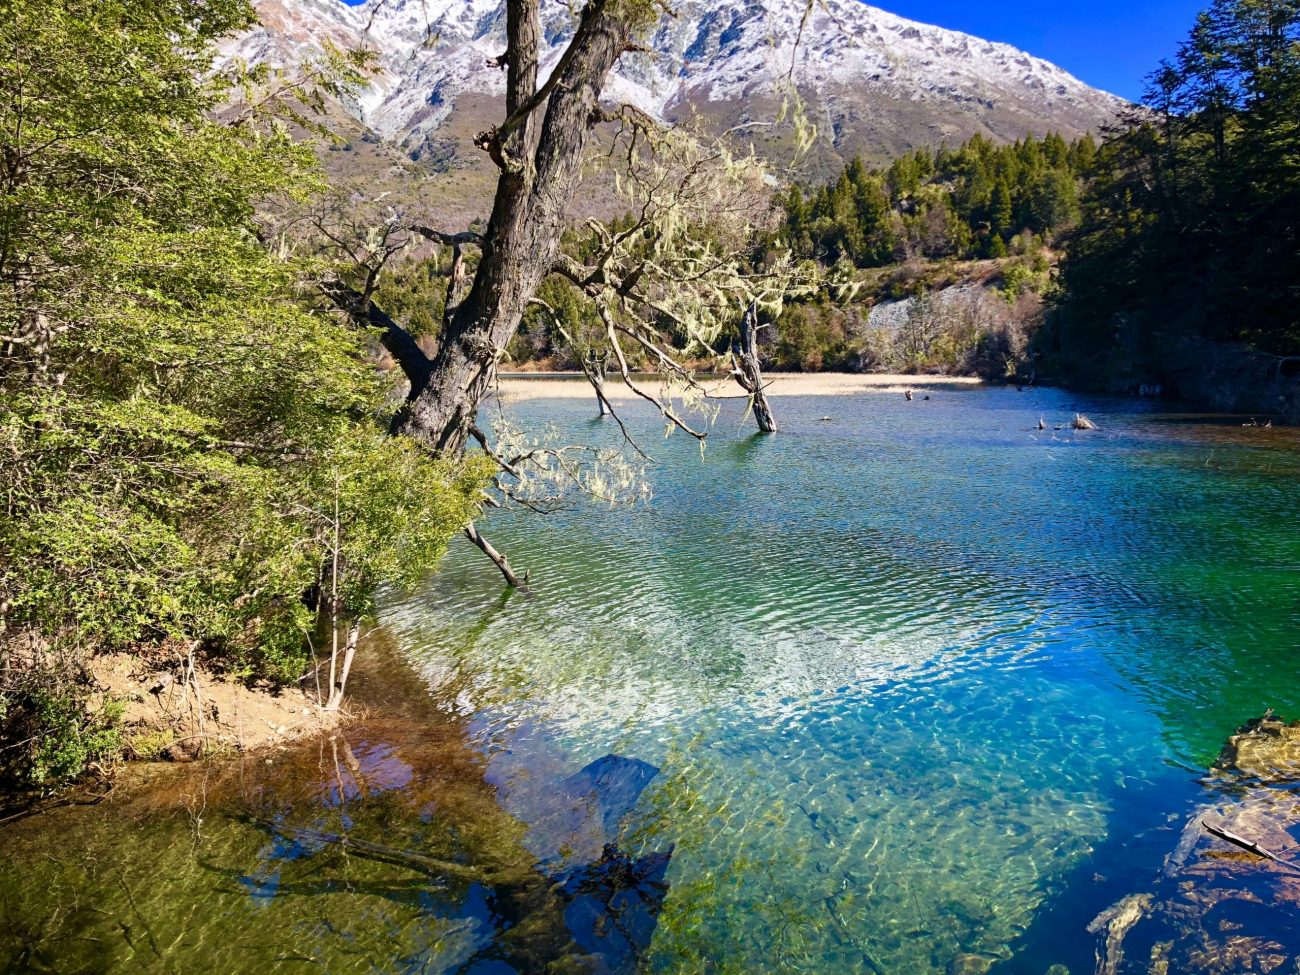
pixel 897 670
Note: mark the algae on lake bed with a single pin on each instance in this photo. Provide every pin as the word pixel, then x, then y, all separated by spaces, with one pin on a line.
pixel 382 849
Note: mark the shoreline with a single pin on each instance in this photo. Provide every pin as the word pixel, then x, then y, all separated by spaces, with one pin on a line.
pixel 516 387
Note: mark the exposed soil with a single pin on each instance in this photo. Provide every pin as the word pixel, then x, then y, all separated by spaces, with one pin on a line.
pixel 171 717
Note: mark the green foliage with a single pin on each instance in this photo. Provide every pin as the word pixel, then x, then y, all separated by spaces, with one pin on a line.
pixel 1191 225
pixel 814 336
pixel 567 327
pixel 175 419
pixel 394 509
pixel 1020 278
pixel 413 294
pixel 961 203
pixel 68 739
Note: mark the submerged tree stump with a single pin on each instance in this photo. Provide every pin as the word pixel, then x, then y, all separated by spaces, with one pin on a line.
pixel 597 370
pixel 748 372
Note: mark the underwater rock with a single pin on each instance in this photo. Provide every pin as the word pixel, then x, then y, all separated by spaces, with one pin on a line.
pixel 968 964
pixel 574 821
pixel 1266 748
pixel 598 907
pixel 611 785
pixel 185 750
pixel 1115 922
pixel 1218 908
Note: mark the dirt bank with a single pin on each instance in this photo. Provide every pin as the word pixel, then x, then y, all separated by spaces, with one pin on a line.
pixel 171 716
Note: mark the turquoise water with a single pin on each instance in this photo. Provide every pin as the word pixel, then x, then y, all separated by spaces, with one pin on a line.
pixel 926 690
pixel 916 677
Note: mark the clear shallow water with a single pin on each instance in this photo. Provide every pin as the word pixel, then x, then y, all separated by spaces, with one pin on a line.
pixel 921 682
pixel 905 671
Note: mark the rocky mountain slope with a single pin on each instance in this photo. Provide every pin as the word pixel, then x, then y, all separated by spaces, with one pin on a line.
pixel 874 83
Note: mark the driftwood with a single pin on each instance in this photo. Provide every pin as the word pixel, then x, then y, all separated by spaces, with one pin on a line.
pixel 1080 422
pixel 1249 845
pixel 499 560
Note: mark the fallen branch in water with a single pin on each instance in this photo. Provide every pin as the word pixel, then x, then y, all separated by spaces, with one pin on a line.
pixel 388 854
pixel 1249 846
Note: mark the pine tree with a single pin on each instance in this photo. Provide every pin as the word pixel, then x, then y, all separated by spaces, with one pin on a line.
pixel 1000 210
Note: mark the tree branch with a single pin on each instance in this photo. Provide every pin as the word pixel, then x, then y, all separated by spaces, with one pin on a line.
pixel 523 97
pixel 399 343
pixel 497 558
pixel 446 239
pixel 665 409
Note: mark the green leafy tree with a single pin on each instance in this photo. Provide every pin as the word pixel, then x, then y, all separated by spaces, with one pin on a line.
pixel 946 203
pixel 1000 210
pixel 170 409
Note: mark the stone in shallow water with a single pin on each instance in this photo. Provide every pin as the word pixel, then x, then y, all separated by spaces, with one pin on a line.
pixel 573 821
pixel 1267 748
pixel 968 964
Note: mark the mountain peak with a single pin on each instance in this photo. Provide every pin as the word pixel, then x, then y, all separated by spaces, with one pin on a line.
pixel 876 83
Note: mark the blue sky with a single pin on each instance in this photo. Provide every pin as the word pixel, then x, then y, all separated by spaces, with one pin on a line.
pixel 1110 44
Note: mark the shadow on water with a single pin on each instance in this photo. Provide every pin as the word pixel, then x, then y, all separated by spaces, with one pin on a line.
pixel 383 845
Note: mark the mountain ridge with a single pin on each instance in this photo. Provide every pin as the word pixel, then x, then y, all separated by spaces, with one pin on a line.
pixel 876 84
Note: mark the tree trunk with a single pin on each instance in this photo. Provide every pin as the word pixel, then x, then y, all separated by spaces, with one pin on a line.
pixel 528 216
pixel 349 651
pixel 598 373
pixel 749 374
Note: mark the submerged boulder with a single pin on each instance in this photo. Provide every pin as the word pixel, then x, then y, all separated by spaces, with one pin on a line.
pixel 1267 748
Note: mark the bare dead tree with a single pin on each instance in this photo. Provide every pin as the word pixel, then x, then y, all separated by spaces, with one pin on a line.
pixel 748 372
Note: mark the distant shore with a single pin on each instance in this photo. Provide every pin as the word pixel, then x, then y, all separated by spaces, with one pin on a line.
pixel 564 385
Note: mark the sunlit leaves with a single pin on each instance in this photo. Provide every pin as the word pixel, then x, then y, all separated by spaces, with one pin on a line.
pixel 178 426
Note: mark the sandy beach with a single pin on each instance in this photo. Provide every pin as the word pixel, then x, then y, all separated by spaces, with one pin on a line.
pixel 516 387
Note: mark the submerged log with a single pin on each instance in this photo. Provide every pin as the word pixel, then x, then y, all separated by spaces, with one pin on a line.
pixel 1249 845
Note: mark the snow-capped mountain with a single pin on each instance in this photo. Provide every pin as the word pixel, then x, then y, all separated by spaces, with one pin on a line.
pixel 873 82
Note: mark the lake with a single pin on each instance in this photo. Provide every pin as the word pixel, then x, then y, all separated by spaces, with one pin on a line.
pixel 910 687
